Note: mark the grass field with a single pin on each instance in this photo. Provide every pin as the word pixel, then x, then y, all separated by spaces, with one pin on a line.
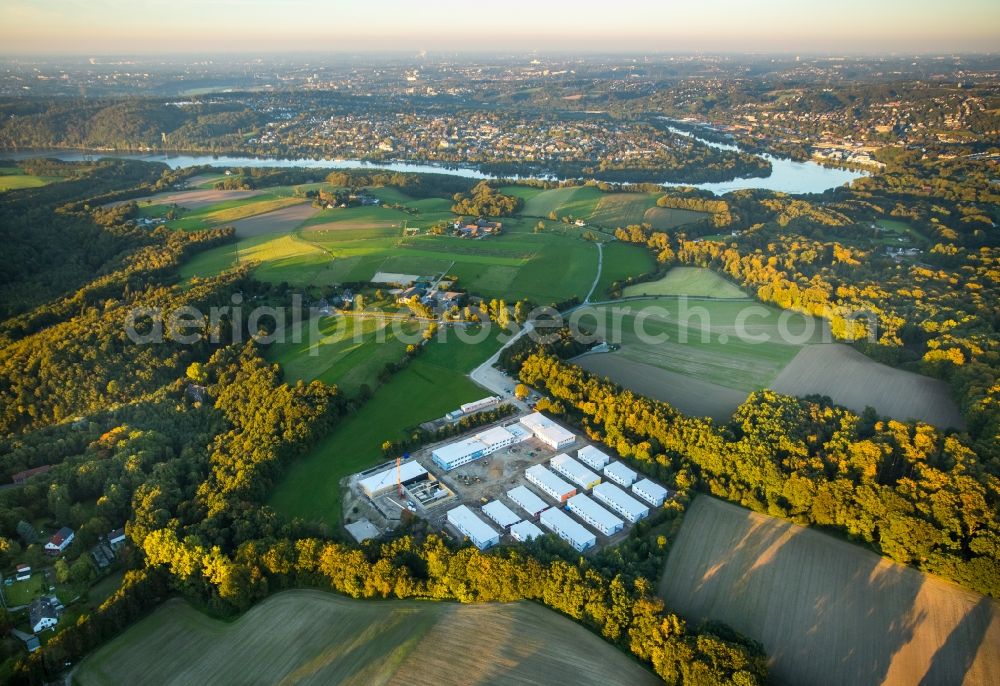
pixel 693 281
pixel 312 637
pixel 827 611
pixel 351 353
pixel 664 218
pixel 579 201
pixel 432 384
pixel 622 260
pixel 856 381
pixel 13 178
pixel 23 592
pixel 721 342
pixel 621 209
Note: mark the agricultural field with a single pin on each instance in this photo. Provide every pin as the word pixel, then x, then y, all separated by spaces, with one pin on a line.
pixel 666 218
pixel 350 353
pixel 312 637
pixel 621 260
pixel 577 201
pixel 621 209
pixel 855 381
pixel 828 611
pixel 690 281
pixel 433 384
pixel 14 178
pixel 739 345
pixel 687 393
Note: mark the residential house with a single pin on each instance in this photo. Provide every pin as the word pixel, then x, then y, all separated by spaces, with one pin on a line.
pixel 43 613
pixel 116 539
pixel 60 541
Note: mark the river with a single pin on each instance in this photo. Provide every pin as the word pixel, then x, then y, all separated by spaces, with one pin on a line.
pixel 786 176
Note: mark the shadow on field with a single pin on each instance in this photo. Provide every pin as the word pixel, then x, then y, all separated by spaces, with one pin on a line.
pixel 824 615
pixel 959 651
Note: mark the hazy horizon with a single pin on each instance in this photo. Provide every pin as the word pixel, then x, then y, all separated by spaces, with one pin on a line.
pixel 186 27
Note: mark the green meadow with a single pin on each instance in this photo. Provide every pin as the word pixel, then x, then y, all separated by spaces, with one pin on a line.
pixel 433 384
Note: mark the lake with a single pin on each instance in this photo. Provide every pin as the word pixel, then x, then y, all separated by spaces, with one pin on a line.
pixel 786 176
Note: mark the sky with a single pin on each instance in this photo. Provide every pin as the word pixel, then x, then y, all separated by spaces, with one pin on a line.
pixel 102 27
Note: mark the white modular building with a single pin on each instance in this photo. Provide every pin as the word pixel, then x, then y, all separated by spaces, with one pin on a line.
pixel 653 493
pixel 547 431
pixel 527 501
pixel 592 457
pixel 500 513
pixel 525 531
pixel 574 471
pixel 589 511
pixel 456 454
pixel 620 474
pixel 381 482
pixel 472 527
pixel 567 528
pixel 620 501
pixel 550 484
pixel 479 405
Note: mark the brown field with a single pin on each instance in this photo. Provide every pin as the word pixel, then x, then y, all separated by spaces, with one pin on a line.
pixel 311 637
pixel 855 381
pixel 828 611
pixel 196 199
pixel 690 395
pixel 277 221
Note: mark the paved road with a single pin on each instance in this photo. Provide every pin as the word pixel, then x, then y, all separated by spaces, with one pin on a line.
pixel 494 380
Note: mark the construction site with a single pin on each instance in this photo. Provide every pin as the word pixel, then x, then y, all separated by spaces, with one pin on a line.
pixel 512 481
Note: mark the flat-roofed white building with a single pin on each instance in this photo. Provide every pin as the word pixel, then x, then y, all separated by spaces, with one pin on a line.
pixel 652 492
pixel 487 403
pixel 550 484
pixel 574 471
pixel 620 474
pixel 472 527
pixel 567 528
pixel 547 431
pixel 462 452
pixel 525 531
pixel 527 501
pixel 589 511
pixel 500 513
pixel 620 501
pixel 381 482
pixel 592 457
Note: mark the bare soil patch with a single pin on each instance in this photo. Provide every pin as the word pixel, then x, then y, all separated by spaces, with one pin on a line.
pixel 828 611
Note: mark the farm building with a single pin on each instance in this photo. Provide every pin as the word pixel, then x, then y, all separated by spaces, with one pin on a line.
pixel 453 455
pixel 589 511
pixel 525 531
pixel 620 474
pixel 567 528
pixel 620 501
pixel 592 457
pixel 410 472
pixel 574 471
pixel 500 513
pixel 480 405
pixel 547 431
pixel 60 541
pixel 472 527
pixel 551 484
pixel 526 500
pixel 652 493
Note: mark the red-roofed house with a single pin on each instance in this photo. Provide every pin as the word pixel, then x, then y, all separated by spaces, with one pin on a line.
pixel 58 543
